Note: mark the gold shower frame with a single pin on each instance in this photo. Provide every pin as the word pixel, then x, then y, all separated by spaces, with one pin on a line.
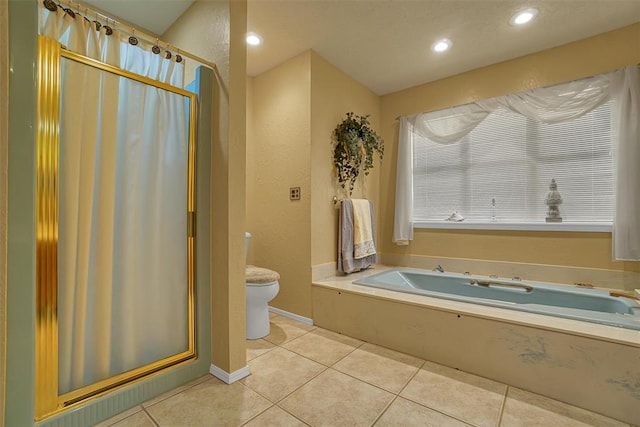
pixel 47 400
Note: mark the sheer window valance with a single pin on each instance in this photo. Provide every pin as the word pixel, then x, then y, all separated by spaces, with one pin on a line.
pixel 548 105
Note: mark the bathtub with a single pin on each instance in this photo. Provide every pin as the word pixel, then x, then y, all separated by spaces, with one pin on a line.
pixel 590 305
pixel 585 354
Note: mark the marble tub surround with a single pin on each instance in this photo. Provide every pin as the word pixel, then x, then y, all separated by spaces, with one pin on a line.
pixel 322 272
pixel 592 366
pixel 574 327
pixel 343 381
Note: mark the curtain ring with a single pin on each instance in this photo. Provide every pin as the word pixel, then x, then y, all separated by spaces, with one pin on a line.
pixel 167 54
pixel 86 13
pixel 133 40
pixel 107 29
pixel 77 8
pixel 50 5
pixel 156 49
pixel 70 12
pixel 96 22
pixel 80 14
pixel 178 57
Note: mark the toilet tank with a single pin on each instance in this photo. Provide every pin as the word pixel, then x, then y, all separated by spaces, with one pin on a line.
pixel 247 237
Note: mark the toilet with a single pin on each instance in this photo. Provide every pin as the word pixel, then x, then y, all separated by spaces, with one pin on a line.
pixel 262 286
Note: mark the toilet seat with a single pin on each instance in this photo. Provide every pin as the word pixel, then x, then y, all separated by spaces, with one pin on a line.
pixel 260 276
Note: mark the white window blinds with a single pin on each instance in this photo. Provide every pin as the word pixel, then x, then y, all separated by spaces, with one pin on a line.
pixel 501 170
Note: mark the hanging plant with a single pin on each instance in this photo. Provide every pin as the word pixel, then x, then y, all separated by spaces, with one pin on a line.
pixel 355 144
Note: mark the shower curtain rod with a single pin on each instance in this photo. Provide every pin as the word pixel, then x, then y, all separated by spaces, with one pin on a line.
pixel 88 11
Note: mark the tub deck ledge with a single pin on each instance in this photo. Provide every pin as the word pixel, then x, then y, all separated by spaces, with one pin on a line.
pixel 344 283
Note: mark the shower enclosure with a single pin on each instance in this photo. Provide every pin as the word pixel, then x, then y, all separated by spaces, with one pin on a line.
pixel 115 217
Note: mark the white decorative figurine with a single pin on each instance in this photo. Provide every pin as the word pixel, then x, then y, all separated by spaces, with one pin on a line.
pixel 455 217
pixel 553 201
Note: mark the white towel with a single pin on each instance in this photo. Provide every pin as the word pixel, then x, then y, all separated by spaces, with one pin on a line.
pixel 363 244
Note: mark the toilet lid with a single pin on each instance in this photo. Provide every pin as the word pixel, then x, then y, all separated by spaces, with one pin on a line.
pixel 260 276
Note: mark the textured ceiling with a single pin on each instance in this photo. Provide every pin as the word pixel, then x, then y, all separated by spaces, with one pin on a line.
pixel 154 16
pixel 385 44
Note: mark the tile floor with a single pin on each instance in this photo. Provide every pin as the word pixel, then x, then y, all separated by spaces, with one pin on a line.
pixel 304 375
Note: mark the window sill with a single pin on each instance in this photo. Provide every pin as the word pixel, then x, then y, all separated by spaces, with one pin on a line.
pixel 593 227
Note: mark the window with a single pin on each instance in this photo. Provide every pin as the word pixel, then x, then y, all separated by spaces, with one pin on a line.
pixel 500 171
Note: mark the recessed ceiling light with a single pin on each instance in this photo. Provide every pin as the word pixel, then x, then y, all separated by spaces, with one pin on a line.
pixel 253 39
pixel 523 16
pixel 441 45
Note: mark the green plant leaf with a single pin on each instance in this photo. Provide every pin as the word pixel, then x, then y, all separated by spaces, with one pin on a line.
pixel 355 144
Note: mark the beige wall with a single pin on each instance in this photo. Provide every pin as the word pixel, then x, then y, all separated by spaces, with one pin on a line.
pixel 215 31
pixel 280 155
pixel 333 94
pixel 594 55
pixel 293 109
pixel 251 175
pixel 4 138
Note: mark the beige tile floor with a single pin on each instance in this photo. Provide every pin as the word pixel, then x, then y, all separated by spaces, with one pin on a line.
pixel 304 375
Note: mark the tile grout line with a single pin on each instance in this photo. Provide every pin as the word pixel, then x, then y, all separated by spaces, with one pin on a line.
pixel 412 376
pixel 301 385
pixel 504 403
pixel 153 420
pixel 177 390
pixel 469 423
pixel 374 385
pixel 395 397
pixel 274 403
pixel 417 403
pixel 293 415
pixel 280 346
pixel 258 393
pixel 292 339
pixel 259 413
pixel 451 415
pixel 323 364
pixel 362 381
pixel 362 343
pixel 278 402
pixel 351 352
pixel 265 352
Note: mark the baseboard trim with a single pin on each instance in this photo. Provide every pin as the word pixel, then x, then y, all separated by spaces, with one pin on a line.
pixel 290 315
pixel 229 378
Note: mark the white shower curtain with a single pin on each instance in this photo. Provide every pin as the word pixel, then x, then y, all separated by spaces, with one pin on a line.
pixel 122 247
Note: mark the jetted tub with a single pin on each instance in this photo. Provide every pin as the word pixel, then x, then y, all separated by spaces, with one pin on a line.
pixel 590 305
